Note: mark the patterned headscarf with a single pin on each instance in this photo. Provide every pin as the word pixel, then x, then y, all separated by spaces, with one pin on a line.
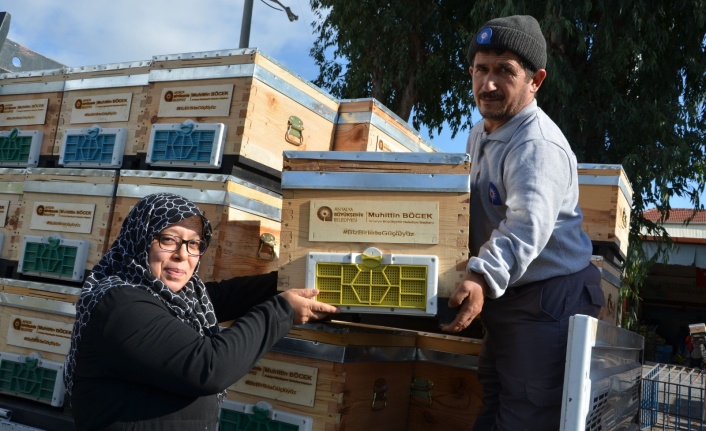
pixel 126 265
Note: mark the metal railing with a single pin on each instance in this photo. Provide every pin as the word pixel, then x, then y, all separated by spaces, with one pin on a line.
pixel 673 398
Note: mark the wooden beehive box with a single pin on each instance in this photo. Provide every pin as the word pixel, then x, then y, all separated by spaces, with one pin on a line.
pixel 342 376
pixel 100 119
pixel 240 213
pixel 400 219
pixel 65 220
pixel 367 125
pixel 30 103
pixel 446 394
pixel 610 284
pixel 37 317
pixel 605 198
pixel 258 108
pixel 11 188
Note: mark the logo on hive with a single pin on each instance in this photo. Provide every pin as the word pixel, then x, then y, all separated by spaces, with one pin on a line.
pixel 325 214
pixel 169 96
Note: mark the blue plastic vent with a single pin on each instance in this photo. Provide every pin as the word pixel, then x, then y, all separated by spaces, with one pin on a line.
pixel 53 257
pixel 20 148
pixel 95 147
pixel 188 144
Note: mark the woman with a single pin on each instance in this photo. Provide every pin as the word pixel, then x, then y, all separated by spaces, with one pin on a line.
pixel 146 350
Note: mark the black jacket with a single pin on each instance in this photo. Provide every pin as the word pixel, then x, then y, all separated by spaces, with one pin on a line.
pixel 140 368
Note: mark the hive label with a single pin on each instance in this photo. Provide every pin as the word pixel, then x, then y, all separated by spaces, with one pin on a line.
pixel 23 112
pixel 101 108
pixel 281 381
pixel 62 217
pixel 199 101
pixel 374 221
pixel 39 334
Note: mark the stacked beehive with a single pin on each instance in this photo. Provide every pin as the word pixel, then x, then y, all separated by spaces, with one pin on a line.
pixel 605 199
pixel 79 146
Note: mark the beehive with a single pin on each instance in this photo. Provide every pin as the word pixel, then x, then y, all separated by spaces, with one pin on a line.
pixel 610 284
pixel 342 376
pixel 65 221
pixel 445 392
pixel 375 232
pixel 245 218
pixel 605 198
pixel 37 317
pixel 248 108
pixel 100 119
pixel 30 103
pixel 367 125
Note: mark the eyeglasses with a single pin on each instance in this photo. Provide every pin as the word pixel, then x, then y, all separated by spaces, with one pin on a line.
pixel 194 247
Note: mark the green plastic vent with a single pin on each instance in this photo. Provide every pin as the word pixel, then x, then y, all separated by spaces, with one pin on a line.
pixel 31 377
pixel 375 283
pixel 53 257
pixel 237 416
pixel 20 148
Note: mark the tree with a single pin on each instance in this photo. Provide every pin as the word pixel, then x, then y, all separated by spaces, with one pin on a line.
pixel 626 81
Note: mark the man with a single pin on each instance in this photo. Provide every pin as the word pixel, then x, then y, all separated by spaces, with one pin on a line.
pixel 530 269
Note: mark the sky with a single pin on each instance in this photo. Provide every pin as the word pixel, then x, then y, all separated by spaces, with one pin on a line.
pixel 93 32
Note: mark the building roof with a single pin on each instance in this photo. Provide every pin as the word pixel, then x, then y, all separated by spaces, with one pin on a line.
pixel 677 215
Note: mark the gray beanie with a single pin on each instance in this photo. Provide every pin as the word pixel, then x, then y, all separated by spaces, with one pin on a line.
pixel 519 33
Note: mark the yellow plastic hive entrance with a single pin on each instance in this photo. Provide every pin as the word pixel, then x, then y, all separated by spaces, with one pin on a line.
pixel 392 285
pixel 373 282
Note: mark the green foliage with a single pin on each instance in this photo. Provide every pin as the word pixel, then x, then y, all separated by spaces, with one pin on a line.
pixel 626 82
pixel 410 55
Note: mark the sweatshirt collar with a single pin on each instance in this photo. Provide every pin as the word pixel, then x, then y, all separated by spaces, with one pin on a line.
pixel 507 130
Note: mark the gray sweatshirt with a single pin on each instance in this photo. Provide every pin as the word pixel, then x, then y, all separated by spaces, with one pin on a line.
pixel 525 220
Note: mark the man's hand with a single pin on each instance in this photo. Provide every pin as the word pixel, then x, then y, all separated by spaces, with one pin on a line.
pixel 304 307
pixel 469 295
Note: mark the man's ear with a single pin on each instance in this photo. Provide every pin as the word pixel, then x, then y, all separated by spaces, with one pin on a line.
pixel 537 79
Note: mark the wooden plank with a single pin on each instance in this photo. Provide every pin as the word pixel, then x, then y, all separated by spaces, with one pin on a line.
pixel 328 165
pixel 455 398
pixel 13 181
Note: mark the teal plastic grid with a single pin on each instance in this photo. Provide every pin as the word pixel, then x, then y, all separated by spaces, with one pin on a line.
pixel 175 145
pixel 231 420
pixel 27 379
pixel 87 148
pixel 15 148
pixel 50 258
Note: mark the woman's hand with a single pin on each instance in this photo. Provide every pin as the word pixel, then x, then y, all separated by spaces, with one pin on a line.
pixel 304 307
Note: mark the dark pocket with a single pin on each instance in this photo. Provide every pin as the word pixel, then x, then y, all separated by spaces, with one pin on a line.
pixel 544 392
pixel 553 299
pixel 592 299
